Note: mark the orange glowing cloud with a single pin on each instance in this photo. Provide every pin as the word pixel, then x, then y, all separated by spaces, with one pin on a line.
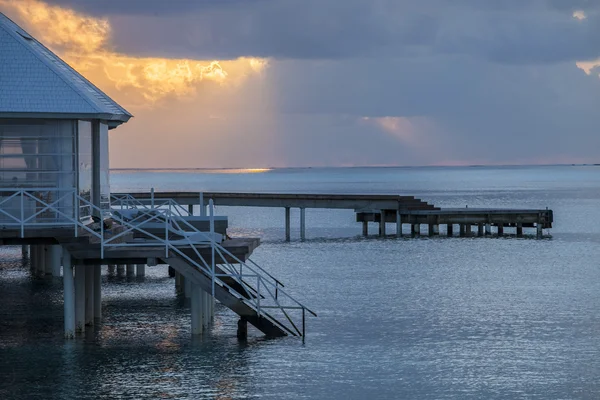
pixel 85 43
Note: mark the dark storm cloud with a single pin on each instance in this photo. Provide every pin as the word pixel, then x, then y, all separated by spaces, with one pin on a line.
pixel 510 31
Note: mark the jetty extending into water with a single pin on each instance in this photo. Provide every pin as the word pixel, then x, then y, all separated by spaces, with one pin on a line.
pixel 400 210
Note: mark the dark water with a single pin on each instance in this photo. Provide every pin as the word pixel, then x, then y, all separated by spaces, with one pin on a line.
pixel 424 318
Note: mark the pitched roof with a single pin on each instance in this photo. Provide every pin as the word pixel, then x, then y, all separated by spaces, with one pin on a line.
pixel 36 83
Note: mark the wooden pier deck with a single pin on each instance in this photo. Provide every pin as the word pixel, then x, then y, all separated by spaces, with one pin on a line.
pixel 374 208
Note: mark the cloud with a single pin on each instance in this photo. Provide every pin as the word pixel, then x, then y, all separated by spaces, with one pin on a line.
pixel 510 31
pixel 86 43
pixel 348 82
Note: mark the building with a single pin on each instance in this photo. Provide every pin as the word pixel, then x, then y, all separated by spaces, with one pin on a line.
pixel 54 127
pixel 54 191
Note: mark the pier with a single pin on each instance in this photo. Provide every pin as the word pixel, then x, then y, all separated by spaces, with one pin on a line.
pixel 395 209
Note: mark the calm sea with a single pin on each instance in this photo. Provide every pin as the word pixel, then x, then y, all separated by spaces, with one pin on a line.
pixel 411 318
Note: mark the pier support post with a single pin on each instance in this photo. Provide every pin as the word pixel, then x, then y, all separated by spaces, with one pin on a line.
pixel 130 270
pixel 415 229
pixel 382 223
pixel 500 229
pixel 519 229
pixel 140 270
pixel 196 309
pixel 97 291
pixel 187 287
pixel 540 230
pixel 33 258
pixel 468 229
pixel 69 296
pixel 242 329
pixel 365 226
pixel 191 209
pixel 449 229
pixel 55 259
pixel 287 224
pixel 120 269
pixel 111 269
pixel 302 224
pixel 177 282
pixel 25 251
pixel 398 224
pixel 79 297
pixel 488 229
pixel 41 259
pixel 89 295
pixel 462 230
pixel 430 229
pixel 206 321
pixel 479 229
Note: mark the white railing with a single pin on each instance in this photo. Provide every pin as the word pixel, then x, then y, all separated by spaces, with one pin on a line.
pixel 265 296
pixel 252 284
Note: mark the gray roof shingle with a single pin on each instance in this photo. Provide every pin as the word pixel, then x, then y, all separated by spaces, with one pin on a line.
pixel 34 82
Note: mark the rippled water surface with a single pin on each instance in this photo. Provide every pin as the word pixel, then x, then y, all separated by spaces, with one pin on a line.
pixel 410 318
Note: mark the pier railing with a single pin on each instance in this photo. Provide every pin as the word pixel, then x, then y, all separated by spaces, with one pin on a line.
pixel 257 287
pixel 254 286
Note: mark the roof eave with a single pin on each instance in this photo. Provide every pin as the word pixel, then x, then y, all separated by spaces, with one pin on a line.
pixel 117 118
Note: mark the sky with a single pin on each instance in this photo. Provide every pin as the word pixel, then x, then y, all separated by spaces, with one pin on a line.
pixel 299 83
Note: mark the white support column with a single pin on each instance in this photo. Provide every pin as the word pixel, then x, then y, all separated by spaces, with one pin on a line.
pixel 25 250
pixel 196 309
pixel 48 267
pixel 140 270
pixel 55 259
pixel 188 288
pixel 33 257
pixel 79 297
pixel 69 296
pixel 382 223
pixel 177 282
pixel 89 295
pixel 130 269
pixel 302 224
pixel 97 291
pixel 41 259
pixel 206 309
pixel 287 224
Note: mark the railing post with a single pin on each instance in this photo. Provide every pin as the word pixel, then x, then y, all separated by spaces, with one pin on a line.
pixel 258 294
pixel 22 215
pixel 202 208
pixel 76 204
pixel 212 244
pixel 152 198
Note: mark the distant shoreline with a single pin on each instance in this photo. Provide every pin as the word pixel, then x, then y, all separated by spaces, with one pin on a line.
pixel 267 169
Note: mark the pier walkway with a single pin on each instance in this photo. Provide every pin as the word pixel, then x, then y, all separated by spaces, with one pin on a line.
pixel 400 210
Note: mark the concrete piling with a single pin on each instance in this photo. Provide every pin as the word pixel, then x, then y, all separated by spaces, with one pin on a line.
pixel 449 229
pixel 302 224
pixel 287 224
pixel 69 296
pixel 140 270
pixel 89 295
pixel 79 298
pixel 55 257
pixel 197 309
pixel 97 274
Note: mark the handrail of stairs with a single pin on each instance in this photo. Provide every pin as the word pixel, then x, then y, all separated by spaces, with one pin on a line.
pixel 267 290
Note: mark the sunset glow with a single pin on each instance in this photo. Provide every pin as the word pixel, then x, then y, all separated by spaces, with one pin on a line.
pixel 85 43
